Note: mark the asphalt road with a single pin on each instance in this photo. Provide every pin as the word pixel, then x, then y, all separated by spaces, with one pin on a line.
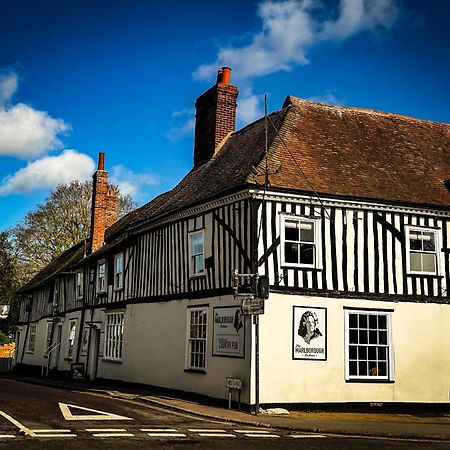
pixel 37 417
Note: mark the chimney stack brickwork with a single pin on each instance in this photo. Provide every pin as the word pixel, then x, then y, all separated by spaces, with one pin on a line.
pixel 105 206
pixel 215 117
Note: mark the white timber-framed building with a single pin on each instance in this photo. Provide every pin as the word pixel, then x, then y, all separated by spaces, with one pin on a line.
pixel 346 210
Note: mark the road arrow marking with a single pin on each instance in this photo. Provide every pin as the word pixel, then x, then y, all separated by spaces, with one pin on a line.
pixel 21 427
pixel 99 415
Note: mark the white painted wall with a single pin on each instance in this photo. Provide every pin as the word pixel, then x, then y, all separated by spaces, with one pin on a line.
pixel 421 333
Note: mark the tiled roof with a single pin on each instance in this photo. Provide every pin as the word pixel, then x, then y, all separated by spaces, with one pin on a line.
pixel 361 154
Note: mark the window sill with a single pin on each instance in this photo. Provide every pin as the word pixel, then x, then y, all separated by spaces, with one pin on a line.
pixel 30 352
pixel 367 380
pixel 118 289
pixel 68 358
pixel 295 266
pixel 424 274
pixel 112 361
pixel 202 371
pixel 196 277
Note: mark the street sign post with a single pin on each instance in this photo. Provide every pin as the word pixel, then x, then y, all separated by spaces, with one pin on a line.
pixel 252 305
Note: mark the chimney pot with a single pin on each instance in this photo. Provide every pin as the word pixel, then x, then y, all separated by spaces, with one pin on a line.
pixel 101 161
pixel 223 75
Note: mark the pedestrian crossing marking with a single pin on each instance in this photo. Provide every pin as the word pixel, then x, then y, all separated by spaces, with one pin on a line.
pixel 99 415
pixel 157 434
pixel 7 436
pixel 216 435
pixel 113 435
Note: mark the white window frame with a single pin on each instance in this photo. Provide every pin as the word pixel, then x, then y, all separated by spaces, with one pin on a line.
pixel 197 343
pixel 48 335
pixel 389 376
pixel 316 221
pixel 31 345
pixel 79 284
pixel 192 255
pixel 99 287
pixel 114 336
pixel 118 276
pixel 56 293
pixel 71 337
pixel 415 228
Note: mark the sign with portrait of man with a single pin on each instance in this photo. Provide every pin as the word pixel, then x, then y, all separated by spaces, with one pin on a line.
pixel 229 332
pixel 309 333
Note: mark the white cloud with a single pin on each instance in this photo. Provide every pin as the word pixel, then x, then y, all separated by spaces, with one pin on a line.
pixel 25 132
pixel 132 183
pixel 290 28
pixel 49 171
pixel 184 124
pixel 8 86
pixel 249 109
pixel 328 98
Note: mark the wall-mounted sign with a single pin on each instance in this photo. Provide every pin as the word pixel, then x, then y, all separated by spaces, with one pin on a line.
pixel 85 341
pixel 228 332
pixel 77 372
pixel 4 311
pixel 309 333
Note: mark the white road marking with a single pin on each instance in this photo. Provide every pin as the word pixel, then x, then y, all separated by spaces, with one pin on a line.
pixel 100 415
pixel 217 435
pixel 254 435
pixel 166 435
pixel 252 431
pixel 157 430
pixel 51 431
pixel 107 435
pixel 21 427
pixel 106 430
pixel 51 435
pixel 205 430
pixel 7 436
pixel 307 436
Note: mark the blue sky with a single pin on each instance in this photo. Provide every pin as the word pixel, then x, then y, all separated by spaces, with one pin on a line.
pixel 83 76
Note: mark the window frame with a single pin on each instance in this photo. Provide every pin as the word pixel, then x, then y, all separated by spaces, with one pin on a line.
pixel 316 221
pixel 418 228
pixel 48 334
pixel 31 344
pixel 99 264
pixel 79 287
pixel 70 338
pixel 389 377
pixel 191 340
pixel 114 341
pixel 193 274
pixel 118 287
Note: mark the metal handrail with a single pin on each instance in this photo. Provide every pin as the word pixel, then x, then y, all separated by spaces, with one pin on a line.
pixel 47 353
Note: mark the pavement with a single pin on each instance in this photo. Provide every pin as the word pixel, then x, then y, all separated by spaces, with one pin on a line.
pixel 383 425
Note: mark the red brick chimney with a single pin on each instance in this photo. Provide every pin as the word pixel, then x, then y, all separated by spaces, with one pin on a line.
pixel 215 116
pixel 105 205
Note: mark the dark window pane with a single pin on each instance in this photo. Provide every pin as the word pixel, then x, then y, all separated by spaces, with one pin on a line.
pixel 382 369
pixel 307 253
pixel 362 353
pixel 352 352
pixel 363 336
pixel 428 242
pixel 353 320
pixel 373 369
pixel 382 353
pixel 373 322
pixel 362 367
pixel 415 244
pixel 291 252
pixel 362 321
pixel 382 336
pixel 372 353
pixel 373 337
pixel 353 336
pixel 353 368
pixel 291 232
pixel 382 322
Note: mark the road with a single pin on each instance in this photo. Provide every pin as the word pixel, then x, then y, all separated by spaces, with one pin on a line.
pixel 38 417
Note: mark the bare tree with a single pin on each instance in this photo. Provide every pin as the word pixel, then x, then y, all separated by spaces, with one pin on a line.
pixel 58 224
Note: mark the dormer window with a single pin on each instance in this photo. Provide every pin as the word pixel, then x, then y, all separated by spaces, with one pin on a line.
pixel 118 271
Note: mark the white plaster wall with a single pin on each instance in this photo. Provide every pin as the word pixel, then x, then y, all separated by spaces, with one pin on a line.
pixel 420 334
pixel 154 350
